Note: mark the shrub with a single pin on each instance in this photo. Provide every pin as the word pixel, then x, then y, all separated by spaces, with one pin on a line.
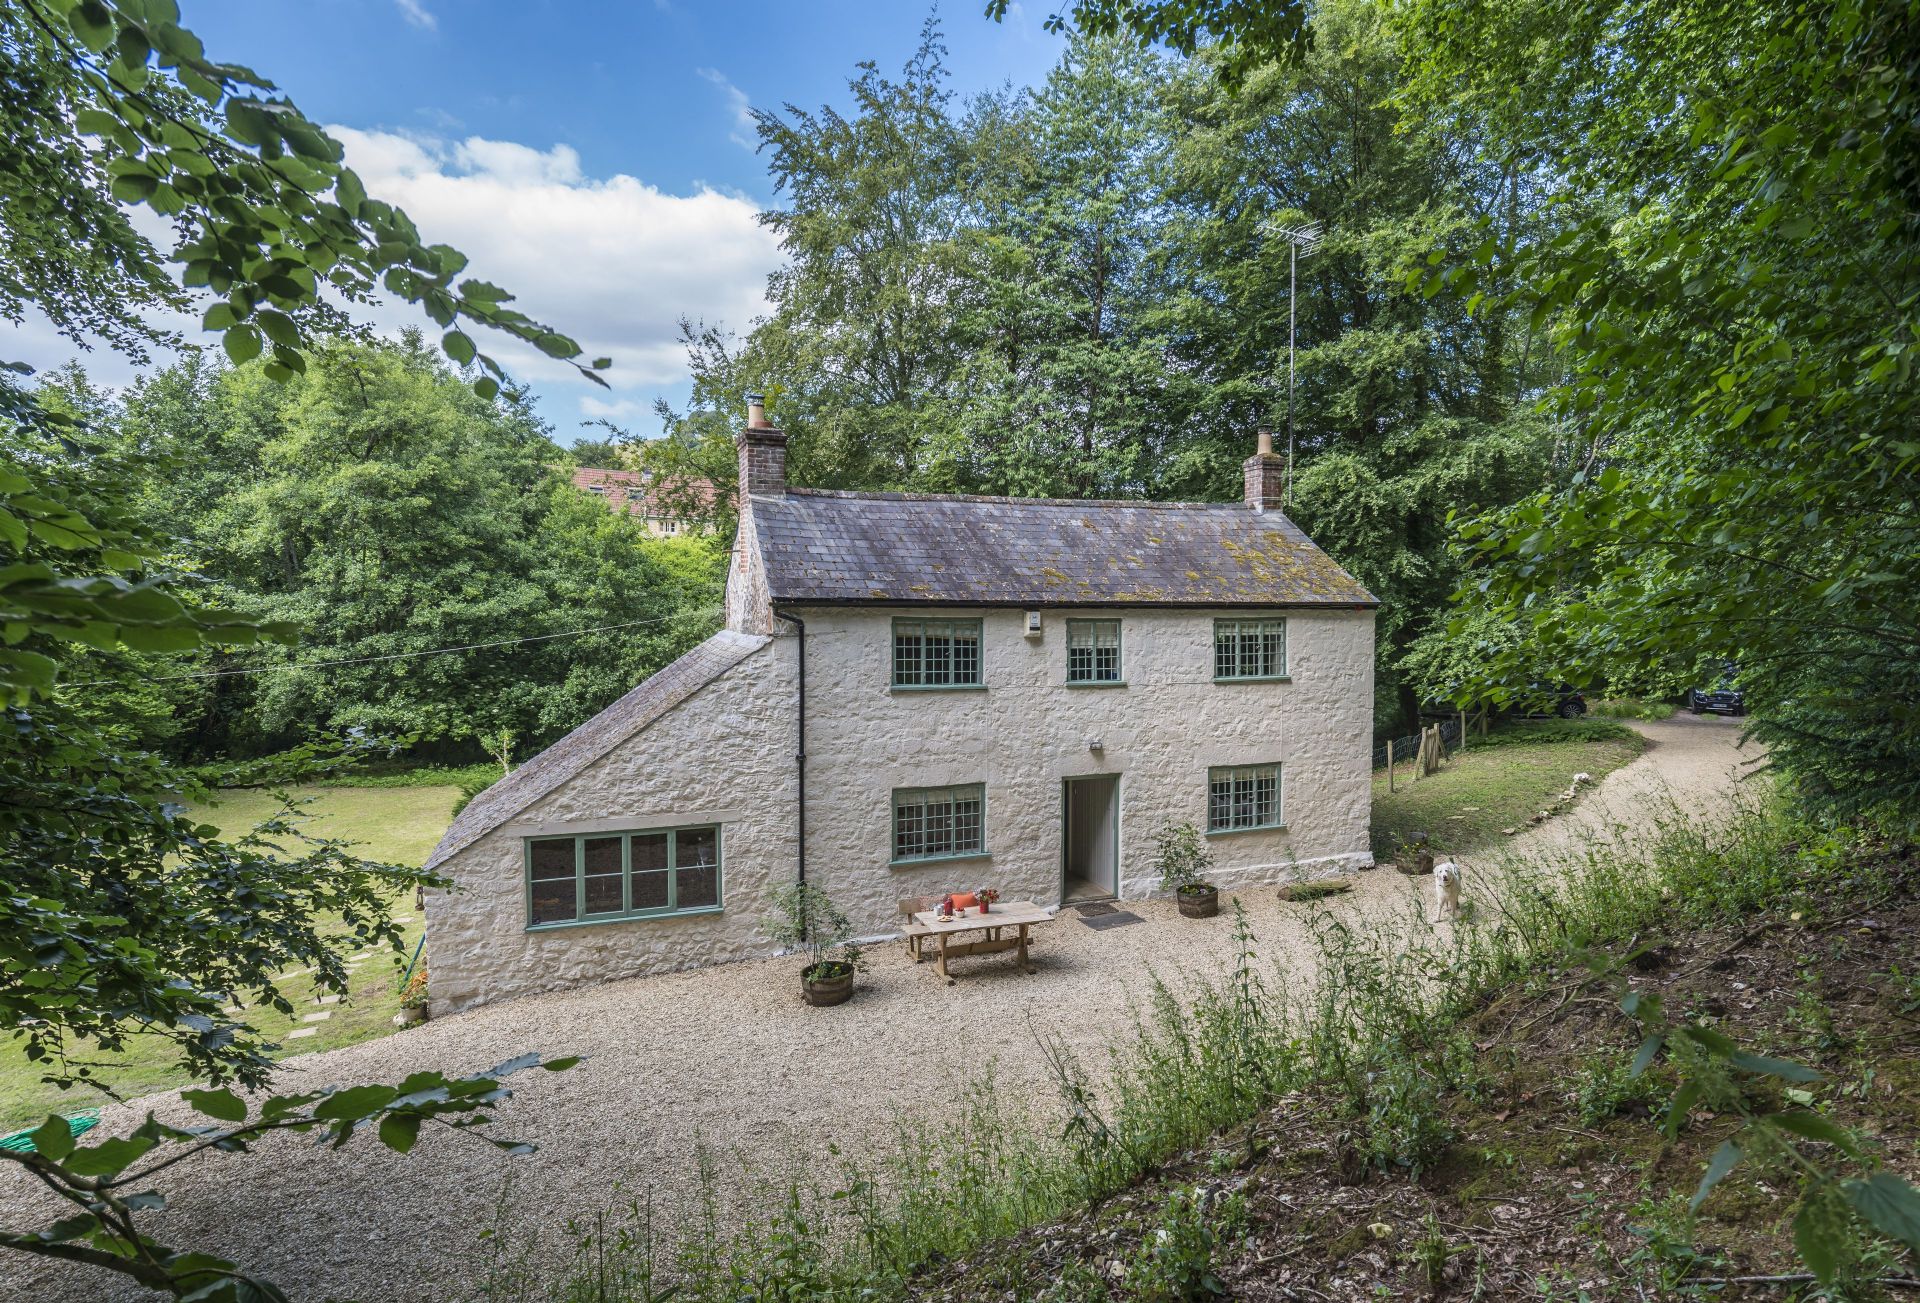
pixel 1527 732
pixel 1180 855
pixel 805 919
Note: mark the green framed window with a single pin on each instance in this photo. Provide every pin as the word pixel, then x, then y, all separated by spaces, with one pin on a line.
pixel 1093 651
pixel 937 823
pixel 1249 649
pixel 936 653
pixel 601 876
pixel 1242 797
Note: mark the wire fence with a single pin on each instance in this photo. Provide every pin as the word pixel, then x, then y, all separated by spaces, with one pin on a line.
pixel 1401 748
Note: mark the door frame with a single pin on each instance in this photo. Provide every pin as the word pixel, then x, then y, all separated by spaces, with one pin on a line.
pixel 1066 830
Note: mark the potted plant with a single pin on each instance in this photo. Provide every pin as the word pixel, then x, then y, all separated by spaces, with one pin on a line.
pixel 1182 859
pixel 413 999
pixel 805 920
pixel 985 898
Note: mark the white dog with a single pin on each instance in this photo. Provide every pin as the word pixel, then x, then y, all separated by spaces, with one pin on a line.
pixel 1446 888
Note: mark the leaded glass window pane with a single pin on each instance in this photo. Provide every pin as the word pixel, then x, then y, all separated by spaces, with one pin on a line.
pixel 936 653
pixel 1243 797
pixel 1093 651
pixel 938 821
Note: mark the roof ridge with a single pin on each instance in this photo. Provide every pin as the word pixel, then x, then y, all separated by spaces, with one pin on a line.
pixel 888 495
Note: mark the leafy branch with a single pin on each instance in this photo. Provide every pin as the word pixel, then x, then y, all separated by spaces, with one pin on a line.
pixel 105 1181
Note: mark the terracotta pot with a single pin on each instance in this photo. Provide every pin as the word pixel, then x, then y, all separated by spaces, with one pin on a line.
pixel 834 987
pixel 1199 902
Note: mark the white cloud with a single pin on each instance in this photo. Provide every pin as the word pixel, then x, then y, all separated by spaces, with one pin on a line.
pixel 613 262
pixel 743 133
pixel 417 16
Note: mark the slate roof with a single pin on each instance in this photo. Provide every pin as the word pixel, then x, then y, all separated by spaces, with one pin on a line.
pixel 659 693
pixel 827 547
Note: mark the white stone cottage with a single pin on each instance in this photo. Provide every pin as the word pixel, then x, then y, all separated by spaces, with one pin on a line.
pixel 917 693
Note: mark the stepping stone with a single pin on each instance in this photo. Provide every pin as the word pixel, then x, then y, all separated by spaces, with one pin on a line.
pixel 327 999
pixel 298 1032
pixel 296 972
pixel 403 918
pixel 322 1016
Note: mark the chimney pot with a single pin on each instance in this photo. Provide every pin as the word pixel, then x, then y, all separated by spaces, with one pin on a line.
pixel 763 455
pixel 1265 476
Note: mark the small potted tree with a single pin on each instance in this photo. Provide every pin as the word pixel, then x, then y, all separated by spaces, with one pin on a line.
pixel 1181 856
pixel 804 919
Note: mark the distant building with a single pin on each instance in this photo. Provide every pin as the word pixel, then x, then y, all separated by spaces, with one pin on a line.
pixel 686 508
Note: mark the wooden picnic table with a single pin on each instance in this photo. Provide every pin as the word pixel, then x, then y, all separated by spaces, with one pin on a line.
pixel 1018 915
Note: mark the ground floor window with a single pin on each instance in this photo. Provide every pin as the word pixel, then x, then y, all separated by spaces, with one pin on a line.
pixel 609 875
pixel 931 823
pixel 1244 796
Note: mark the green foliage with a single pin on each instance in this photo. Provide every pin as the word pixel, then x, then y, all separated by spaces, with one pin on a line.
pixel 1078 291
pixel 1734 291
pixel 1632 708
pixel 1531 732
pixel 391 513
pixel 1180 857
pixel 1174 1264
pixel 113 102
pixel 803 918
pixel 110 1179
pixel 123 912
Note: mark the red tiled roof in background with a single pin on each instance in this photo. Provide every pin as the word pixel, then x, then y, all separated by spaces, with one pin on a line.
pixel 634 492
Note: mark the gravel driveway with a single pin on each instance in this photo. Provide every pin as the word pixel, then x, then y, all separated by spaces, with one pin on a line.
pixel 728 1055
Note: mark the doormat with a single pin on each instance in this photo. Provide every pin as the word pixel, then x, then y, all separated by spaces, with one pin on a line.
pixel 1092 907
pixel 1113 918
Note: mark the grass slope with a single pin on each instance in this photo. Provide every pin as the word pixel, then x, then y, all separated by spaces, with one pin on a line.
pixel 1521 1158
pixel 399 824
pixel 1496 783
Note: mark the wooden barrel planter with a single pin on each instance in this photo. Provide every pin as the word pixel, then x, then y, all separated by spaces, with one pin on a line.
pixel 1199 902
pixel 833 986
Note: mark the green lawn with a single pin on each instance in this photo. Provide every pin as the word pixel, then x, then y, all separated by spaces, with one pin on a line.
pixel 1490 787
pixel 400 824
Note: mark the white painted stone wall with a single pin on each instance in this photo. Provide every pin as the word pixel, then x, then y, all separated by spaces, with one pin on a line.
pixel 1028 732
pixel 725 756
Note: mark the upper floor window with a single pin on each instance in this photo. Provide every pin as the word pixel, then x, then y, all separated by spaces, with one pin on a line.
pixel 1250 649
pixel 1093 651
pixel 598 877
pixel 1245 796
pixel 936 653
pixel 931 823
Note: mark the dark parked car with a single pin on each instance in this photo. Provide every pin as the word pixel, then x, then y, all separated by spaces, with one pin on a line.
pixel 1548 699
pixel 1723 698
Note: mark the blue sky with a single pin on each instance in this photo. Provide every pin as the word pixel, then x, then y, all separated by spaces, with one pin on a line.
pixel 596 159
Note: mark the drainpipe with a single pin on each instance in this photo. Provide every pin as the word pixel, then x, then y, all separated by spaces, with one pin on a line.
pixel 800 754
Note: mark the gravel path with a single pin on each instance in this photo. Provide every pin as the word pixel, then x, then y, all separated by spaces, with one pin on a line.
pixel 729 1055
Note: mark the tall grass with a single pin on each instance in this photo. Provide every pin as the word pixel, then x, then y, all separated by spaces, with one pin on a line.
pixel 1369 1020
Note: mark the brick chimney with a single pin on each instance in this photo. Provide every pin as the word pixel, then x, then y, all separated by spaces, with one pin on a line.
pixel 1266 476
pixel 763 454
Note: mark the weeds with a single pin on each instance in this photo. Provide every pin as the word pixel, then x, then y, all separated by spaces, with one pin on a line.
pixel 1374 1022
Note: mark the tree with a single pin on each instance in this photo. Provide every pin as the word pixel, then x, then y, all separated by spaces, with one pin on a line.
pixel 119 912
pixel 1735 293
